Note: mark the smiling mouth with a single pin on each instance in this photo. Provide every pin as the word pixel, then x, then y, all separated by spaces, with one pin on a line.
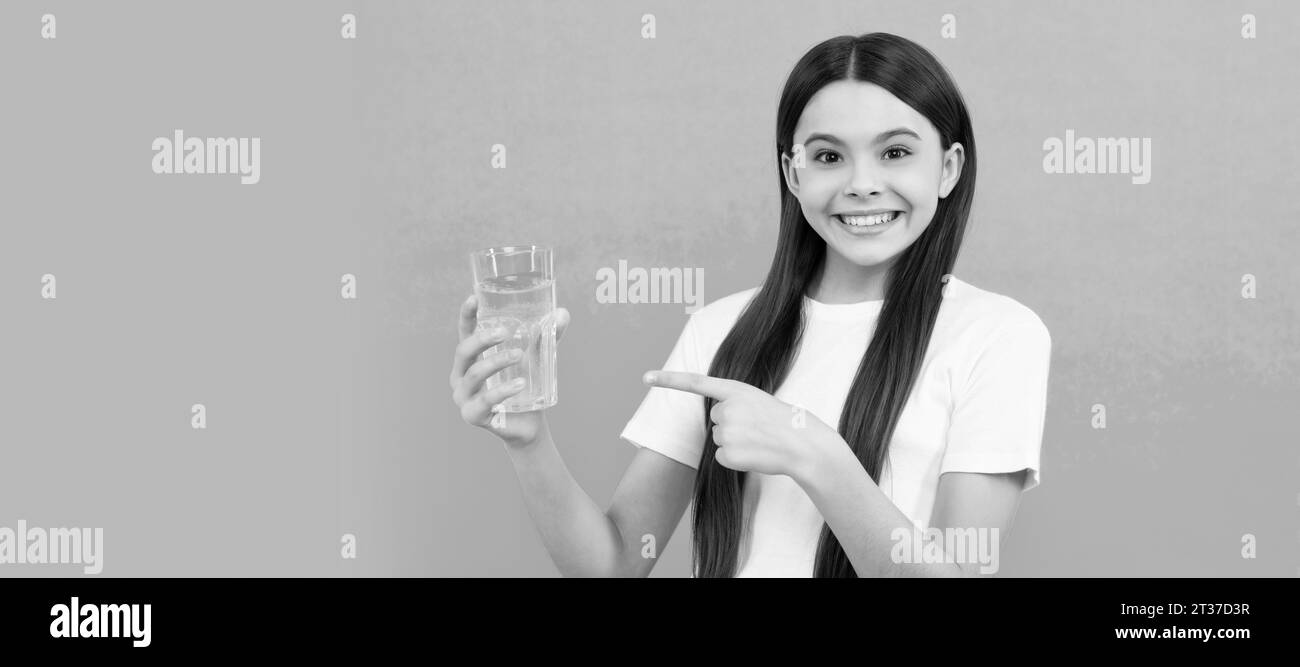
pixel 868 220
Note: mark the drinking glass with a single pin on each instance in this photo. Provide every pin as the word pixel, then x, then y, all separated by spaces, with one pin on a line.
pixel 515 286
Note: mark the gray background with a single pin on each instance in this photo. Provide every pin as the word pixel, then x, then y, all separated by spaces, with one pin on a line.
pixel 328 416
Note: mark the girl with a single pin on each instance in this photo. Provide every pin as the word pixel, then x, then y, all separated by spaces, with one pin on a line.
pixel 938 388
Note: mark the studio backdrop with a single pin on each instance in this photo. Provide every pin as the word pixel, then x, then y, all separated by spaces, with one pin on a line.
pixel 239 367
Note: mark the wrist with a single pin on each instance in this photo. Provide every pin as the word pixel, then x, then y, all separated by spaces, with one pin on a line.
pixel 819 456
pixel 524 442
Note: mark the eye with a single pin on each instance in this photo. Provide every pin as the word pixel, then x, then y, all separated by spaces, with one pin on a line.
pixel 901 149
pixel 820 154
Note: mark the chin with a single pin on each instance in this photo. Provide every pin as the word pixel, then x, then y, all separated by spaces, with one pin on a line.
pixel 860 257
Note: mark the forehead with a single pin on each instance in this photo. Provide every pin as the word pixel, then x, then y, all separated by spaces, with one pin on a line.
pixel 856 111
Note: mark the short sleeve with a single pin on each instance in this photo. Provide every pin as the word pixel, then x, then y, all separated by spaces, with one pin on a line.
pixel 668 421
pixel 999 408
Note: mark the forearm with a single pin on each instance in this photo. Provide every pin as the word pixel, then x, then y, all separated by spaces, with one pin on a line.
pixel 581 539
pixel 862 517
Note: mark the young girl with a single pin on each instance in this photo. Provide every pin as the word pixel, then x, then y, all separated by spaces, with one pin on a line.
pixel 936 389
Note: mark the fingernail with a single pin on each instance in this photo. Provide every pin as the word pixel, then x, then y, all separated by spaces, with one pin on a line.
pixel 648 377
pixel 519 382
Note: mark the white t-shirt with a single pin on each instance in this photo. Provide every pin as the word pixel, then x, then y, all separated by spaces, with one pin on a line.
pixel 978 405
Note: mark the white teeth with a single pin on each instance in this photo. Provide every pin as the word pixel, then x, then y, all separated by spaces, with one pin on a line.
pixel 867 220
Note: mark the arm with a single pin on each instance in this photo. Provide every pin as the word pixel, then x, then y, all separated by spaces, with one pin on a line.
pixel 864 520
pixel 585 541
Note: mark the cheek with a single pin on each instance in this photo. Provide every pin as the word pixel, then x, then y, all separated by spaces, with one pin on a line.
pixel 816 187
pixel 919 187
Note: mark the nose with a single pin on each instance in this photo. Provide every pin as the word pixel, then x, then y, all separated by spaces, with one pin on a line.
pixel 864 181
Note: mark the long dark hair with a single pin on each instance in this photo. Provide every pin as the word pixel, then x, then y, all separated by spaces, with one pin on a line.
pixel 761 346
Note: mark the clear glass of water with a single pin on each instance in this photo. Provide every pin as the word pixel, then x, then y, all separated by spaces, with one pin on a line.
pixel 515 286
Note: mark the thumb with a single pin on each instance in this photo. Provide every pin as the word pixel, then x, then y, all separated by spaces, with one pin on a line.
pixel 561 322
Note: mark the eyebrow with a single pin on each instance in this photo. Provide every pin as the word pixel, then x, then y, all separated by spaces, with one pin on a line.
pixel 879 137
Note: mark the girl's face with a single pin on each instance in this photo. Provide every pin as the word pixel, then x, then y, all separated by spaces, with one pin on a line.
pixel 861 155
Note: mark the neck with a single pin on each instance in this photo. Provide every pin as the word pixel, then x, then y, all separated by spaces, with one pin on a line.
pixel 841 281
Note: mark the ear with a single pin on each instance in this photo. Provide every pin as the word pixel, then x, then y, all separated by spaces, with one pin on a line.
pixel 953 161
pixel 791 173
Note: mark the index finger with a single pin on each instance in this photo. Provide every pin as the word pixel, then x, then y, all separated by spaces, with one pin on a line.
pixel 718 388
pixel 468 316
